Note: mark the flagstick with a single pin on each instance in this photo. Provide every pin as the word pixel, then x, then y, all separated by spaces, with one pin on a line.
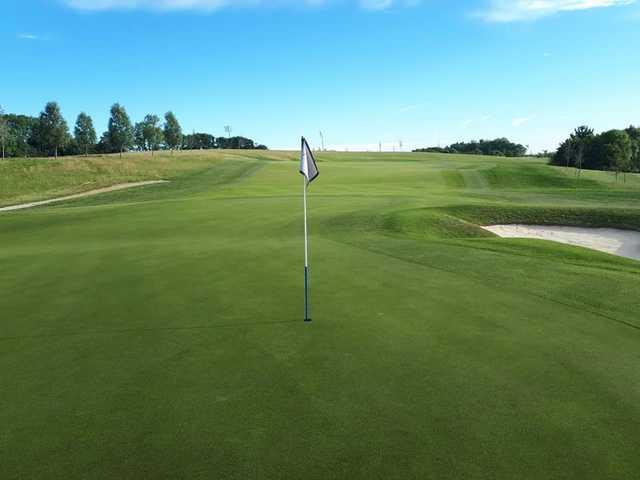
pixel 306 253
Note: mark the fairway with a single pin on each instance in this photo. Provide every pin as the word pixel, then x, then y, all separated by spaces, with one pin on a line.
pixel 157 332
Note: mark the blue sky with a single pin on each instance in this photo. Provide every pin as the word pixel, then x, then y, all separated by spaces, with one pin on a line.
pixel 363 71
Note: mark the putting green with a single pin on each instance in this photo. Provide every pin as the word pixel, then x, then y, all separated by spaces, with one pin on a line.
pixel 157 332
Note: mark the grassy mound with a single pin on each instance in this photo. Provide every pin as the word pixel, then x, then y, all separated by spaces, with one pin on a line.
pixel 596 217
pixel 425 223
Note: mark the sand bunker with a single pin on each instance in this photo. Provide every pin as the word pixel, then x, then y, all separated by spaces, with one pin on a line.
pixel 113 188
pixel 624 243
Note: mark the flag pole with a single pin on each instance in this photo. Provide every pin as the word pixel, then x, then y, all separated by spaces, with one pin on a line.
pixel 309 171
pixel 306 253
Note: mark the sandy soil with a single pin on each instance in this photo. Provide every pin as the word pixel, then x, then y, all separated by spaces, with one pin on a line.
pixel 624 243
pixel 113 188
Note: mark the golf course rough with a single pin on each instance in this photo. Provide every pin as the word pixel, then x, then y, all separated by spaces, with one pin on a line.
pixel 157 332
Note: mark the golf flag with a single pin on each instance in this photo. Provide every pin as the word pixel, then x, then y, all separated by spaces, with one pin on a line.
pixel 308 166
pixel 309 170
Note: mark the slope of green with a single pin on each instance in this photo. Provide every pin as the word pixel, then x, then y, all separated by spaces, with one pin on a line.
pixel 157 332
pixel 26 180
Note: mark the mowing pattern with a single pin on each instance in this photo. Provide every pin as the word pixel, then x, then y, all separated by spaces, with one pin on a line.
pixel 157 333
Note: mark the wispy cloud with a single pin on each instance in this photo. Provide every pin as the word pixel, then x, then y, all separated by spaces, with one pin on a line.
pixel 211 5
pixel 28 36
pixel 523 10
pixel 413 107
pixel 470 122
pixel 520 121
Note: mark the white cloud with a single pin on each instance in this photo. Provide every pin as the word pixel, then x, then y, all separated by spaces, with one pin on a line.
pixel 28 36
pixel 209 5
pixel 522 10
pixel 520 121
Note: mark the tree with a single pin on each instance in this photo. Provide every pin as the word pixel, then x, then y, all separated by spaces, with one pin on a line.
pixel 52 131
pixel 148 134
pixel 567 152
pixel 580 139
pixel 4 131
pixel 583 132
pixel 235 143
pixel 138 136
pixel 120 130
pixel 496 147
pixel 634 136
pixel 198 141
pixel 103 145
pixel 172 131
pixel 21 138
pixel 84 133
pixel 616 148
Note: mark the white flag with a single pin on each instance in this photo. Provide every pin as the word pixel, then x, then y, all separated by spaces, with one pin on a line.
pixel 308 166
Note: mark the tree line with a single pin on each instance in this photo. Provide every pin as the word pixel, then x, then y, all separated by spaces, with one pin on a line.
pixel 500 147
pixel 614 150
pixel 49 135
pixel 204 141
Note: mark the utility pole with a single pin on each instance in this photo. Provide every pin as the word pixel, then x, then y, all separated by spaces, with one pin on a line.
pixel 228 129
pixel 380 146
pixel 322 141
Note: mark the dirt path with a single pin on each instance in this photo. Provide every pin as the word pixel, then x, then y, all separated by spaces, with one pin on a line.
pixel 113 188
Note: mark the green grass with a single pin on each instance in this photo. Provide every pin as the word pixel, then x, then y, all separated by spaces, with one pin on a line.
pixel 25 180
pixel 157 332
